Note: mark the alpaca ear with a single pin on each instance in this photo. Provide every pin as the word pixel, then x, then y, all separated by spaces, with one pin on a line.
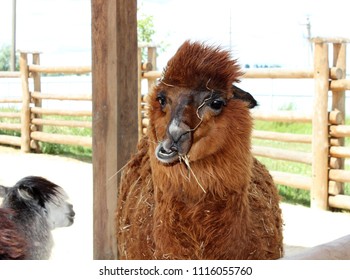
pixel 25 193
pixel 238 93
pixel 3 191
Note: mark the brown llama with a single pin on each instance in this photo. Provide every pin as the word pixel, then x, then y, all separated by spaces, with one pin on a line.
pixel 193 190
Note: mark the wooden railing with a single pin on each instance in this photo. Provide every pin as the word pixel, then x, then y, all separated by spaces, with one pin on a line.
pixel 326 183
pixel 31 114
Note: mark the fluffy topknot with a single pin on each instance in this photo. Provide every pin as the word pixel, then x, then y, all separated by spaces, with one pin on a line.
pixel 199 67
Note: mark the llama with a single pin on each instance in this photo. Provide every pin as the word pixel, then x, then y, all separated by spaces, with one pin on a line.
pixel 193 190
pixel 30 210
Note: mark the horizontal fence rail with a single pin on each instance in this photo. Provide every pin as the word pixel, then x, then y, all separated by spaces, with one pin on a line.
pixel 326 184
pixel 32 117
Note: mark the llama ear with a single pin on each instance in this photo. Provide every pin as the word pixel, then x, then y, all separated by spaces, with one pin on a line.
pixel 3 191
pixel 238 93
pixel 25 192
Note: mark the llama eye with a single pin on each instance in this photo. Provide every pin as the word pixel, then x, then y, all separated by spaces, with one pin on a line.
pixel 217 104
pixel 162 101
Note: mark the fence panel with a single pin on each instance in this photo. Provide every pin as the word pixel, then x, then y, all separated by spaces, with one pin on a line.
pixel 326 183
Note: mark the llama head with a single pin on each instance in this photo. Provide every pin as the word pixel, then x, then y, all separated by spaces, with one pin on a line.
pixel 36 196
pixel 195 110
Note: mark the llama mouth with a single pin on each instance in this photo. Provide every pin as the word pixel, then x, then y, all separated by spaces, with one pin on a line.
pixel 166 155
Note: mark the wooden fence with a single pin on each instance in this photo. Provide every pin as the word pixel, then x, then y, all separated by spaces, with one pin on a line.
pixel 13 126
pixel 31 115
pixel 326 183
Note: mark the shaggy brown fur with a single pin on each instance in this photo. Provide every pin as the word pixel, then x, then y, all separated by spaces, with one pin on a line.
pixel 224 205
pixel 13 245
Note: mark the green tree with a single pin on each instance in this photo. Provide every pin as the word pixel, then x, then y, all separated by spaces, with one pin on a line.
pixel 5 56
pixel 145 28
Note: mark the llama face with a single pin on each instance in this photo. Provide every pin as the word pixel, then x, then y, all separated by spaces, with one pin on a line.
pixel 196 102
pixel 182 113
pixel 188 122
pixel 38 195
pixel 60 215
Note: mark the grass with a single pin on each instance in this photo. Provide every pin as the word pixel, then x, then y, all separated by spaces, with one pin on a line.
pixel 289 194
pixel 78 152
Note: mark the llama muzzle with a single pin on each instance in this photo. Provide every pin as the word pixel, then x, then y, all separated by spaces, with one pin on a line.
pixel 177 143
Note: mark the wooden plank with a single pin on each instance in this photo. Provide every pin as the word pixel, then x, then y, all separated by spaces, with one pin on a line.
pixel 291 180
pixel 334 40
pixel 25 112
pixel 339 175
pixel 338 95
pixel 277 73
pixel 319 190
pixel 114 82
pixel 139 95
pixel 10 140
pixel 58 96
pixel 282 154
pixel 60 69
pixel 281 116
pixel 74 113
pixel 268 73
pixel 335 117
pixel 62 139
pixel 11 100
pixel 280 136
pixel 10 74
pixel 37 102
pixel 152 75
pixel 10 115
pixel 339 86
pixel 339 201
pixel 62 123
pixel 11 126
pixel 340 152
pixel 339 131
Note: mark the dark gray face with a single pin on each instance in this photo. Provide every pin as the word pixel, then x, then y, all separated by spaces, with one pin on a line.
pixel 37 196
pixel 187 109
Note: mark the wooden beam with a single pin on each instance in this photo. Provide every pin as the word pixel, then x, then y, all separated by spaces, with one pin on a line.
pixel 282 154
pixel 25 111
pixel 277 73
pixel 282 136
pixel 291 180
pixel 281 116
pixel 320 144
pixel 338 95
pixel 62 139
pixel 61 69
pixel 115 131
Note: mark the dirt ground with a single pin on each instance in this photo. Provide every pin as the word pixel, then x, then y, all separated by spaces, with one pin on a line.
pixel 303 228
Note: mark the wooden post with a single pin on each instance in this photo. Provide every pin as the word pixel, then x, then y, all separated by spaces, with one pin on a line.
pixel 25 112
pixel 139 90
pixel 338 97
pixel 152 58
pixel 37 102
pixel 320 142
pixel 115 132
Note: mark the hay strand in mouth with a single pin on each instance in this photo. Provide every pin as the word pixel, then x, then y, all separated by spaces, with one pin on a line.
pixel 186 160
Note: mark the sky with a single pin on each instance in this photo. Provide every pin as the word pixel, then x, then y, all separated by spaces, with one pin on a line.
pixel 258 32
pixel 60 29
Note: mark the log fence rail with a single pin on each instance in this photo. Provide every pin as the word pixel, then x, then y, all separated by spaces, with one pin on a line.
pixel 30 117
pixel 326 184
